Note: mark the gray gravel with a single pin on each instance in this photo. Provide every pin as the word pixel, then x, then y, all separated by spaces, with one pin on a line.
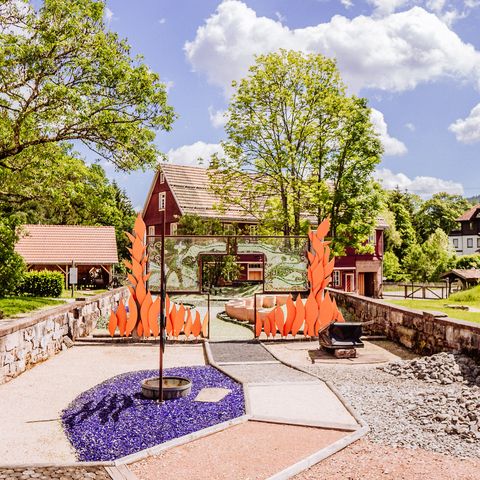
pixel 409 412
pixel 267 373
pixel 60 473
pixel 239 352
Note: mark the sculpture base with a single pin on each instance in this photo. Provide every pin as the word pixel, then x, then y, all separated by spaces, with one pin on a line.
pixel 173 387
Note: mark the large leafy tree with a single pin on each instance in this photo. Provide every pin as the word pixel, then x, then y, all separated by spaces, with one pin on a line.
pixel 297 144
pixel 12 266
pixel 440 211
pixel 65 77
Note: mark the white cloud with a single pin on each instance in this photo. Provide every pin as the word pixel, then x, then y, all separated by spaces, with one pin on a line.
pixel 347 3
pixel 162 21
pixel 218 118
pixel 190 154
pixel 281 18
pixel 169 84
pixel 393 53
pixel 423 186
pixel 386 7
pixel 108 15
pixel 467 130
pixel 410 126
pixel 391 145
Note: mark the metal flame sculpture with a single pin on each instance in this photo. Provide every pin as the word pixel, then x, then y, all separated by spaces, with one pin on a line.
pixel 143 311
pixel 319 311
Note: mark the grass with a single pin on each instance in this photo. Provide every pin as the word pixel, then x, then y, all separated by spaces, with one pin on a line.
pixel 11 306
pixel 470 298
pixel 81 293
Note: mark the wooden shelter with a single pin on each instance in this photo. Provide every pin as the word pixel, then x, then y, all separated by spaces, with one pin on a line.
pixel 93 250
pixel 468 277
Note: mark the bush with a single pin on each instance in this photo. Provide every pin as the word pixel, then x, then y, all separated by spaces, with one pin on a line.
pixel 42 284
pixel 12 266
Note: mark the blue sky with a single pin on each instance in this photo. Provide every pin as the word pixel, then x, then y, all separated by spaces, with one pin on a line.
pixel 417 62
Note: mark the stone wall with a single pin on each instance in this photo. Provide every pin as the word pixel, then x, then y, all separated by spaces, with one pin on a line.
pixel 422 332
pixel 32 339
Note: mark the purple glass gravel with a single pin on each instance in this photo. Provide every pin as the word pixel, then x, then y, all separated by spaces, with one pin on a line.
pixel 112 419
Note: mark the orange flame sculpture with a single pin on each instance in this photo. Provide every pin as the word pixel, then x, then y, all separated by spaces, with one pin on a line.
pixel 319 311
pixel 143 310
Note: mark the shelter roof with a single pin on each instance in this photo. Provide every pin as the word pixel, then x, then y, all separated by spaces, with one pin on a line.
pixel 62 244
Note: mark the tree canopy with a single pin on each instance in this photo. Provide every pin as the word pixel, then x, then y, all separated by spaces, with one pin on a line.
pixel 298 146
pixel 65 77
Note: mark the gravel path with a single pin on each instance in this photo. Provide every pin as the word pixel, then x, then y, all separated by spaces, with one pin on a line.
pixel 61 473
pixel 365 460
pixel 399 410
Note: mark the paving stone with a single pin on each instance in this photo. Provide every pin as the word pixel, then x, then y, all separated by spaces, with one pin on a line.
pixel 66 473
pixel 224 352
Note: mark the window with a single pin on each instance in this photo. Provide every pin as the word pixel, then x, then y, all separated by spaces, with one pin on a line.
pixel 478 242
pixel 372 238
pixel 151 230
pixel 162 177
pixel 336 278
pixel 173 228
pixel 470 225
pixel 455 242
pixel 469 242
pixel 253 229
pixel 228 229
pixel 162 200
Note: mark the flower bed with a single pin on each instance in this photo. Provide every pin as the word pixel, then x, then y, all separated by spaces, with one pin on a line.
pixel 112 419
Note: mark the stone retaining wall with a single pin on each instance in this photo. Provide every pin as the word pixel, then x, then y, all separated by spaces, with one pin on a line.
pixel 34 338
pixel 422 332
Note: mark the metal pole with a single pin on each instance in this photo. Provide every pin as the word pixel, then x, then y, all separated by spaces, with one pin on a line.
pixel 162 312
pixel 208 313
pixel 255 315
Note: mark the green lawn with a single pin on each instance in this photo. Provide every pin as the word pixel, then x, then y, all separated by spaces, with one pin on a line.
pixel 82 293
pixel 14 305
pixel 470 298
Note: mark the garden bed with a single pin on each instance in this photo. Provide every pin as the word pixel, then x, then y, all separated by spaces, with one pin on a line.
pixel 113 420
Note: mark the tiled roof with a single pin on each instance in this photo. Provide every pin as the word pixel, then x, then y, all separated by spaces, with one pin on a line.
pixel 189 186
pixel 60 244
pixel 466 274
pixel 470 214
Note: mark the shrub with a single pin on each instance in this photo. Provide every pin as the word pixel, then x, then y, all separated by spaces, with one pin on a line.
pixel 12 266
pixel 42 284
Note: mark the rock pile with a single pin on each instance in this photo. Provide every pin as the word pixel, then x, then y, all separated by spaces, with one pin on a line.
pixel 442 368
pixel 450 410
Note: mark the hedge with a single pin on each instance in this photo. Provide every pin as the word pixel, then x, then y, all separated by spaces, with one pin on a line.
pixel 42 284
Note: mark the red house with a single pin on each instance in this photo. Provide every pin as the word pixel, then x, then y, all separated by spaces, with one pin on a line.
pixel 177 190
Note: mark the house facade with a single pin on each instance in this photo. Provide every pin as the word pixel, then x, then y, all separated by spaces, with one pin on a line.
pixel 466 238
pixel 178 190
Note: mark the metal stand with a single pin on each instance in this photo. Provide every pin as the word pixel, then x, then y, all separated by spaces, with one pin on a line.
pixel 163 336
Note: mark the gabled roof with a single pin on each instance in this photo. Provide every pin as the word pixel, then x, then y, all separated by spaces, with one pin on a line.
pixel 60 244
pixel 471 214
pixel 189 186
pixel 465 274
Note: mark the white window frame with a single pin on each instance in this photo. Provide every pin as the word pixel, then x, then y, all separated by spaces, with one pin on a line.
pixel 151 230
pixel 478 242
pixel 253 230
pixel 372 238
pixel 455 242
pixel 470 242
pixel 173 228
pixel 162 201
pixel 336 278
pixel 162 177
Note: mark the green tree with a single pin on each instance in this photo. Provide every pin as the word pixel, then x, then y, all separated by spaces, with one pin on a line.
pixel 191 224
pixel 404 228
pixel 391 267
pixel 65 77
pixel 468 261
pixel 12 266
pixel 425 263
pixel 298 144
pixel 440 211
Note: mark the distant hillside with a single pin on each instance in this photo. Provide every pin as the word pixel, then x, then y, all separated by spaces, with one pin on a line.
pixel 474 200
